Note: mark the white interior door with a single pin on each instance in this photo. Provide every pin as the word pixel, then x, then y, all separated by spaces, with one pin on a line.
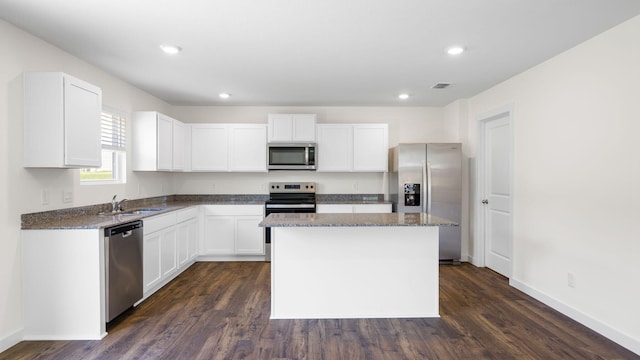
pixel 496 193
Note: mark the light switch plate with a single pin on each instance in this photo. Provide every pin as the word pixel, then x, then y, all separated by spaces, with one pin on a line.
pixel 44 197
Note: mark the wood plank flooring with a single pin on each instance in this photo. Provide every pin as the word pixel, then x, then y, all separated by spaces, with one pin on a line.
pixel 221 311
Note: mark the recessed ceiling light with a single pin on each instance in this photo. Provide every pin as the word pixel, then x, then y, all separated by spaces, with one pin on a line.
pixel 455 50
pixel 224 95
pixel 170 49
pixel 403 96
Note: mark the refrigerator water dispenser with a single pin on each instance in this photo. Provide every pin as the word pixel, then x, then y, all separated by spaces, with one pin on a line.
pixel 411 194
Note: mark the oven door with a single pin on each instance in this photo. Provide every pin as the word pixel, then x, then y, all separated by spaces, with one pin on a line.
pixel 271 208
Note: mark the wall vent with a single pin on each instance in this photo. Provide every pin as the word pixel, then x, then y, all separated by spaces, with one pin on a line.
pixel 440 85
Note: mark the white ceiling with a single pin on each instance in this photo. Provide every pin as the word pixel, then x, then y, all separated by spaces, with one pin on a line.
pixel 315 52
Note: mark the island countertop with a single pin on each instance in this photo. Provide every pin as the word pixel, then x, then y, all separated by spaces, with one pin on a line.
pixel 356 220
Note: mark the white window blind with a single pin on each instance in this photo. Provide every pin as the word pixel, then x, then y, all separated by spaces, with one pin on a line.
pixel 114 132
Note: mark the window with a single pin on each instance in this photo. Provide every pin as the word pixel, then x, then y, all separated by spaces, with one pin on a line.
pixel 114 151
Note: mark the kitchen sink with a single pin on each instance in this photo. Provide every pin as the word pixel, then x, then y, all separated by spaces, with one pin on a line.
pixel 142 211
pixel 146 211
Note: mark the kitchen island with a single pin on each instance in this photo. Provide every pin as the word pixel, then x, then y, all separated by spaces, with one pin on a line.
pixel 354 265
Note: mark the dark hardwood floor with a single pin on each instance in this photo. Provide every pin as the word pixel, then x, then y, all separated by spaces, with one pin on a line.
pixel 221 311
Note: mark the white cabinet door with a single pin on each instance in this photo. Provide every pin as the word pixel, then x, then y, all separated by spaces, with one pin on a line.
pixel 193 234
pixel 219 235
pixel 182 236
pixel 335 147
pixel 168 256
pixel 248 147
pixel 280 128
pixel 151 272
pixel 165 142
pixel 209 147
pixel 304 128
pixel 370 147
pixel 249 236
pixel 82 114
pixel 62 118
pixel 292 128
pixel 187 238
pixel 178 156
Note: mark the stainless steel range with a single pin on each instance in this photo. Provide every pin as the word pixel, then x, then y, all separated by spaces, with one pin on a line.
pixel 288 197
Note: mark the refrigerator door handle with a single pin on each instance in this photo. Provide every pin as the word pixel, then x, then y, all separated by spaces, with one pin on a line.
pixel 423 191
pixel 427 177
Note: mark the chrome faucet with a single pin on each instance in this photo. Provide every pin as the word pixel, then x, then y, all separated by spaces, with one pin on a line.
pixel 116 206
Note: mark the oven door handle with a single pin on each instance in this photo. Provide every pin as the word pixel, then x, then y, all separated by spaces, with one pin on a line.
pixel 290 206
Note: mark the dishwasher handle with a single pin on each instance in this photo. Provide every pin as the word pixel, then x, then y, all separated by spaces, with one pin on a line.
pixel 125 229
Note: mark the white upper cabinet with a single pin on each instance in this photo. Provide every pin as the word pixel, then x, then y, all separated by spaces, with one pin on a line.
pixel 179 145
pixel 229 147
pixel 292 128
pixel 158 142
pixel 209 147
pixel 62 117
pixel 248 147
pixel 353 147
pixel 371 147
pixel 335 147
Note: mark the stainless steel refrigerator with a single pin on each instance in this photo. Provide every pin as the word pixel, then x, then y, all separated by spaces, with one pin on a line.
pixel 428 178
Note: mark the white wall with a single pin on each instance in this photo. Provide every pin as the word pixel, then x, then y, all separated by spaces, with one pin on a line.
pixel 20 188
pixel 577 179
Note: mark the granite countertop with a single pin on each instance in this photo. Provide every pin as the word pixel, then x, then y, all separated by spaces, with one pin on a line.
pixel 90 217
pixel 98 216
pixel 357 220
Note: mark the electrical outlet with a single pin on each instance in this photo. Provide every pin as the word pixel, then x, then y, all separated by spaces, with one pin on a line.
pixel 44 197
pixel 355 186
pixel 213 187
pixel 571 280
pixel 263 187
pixel 67 196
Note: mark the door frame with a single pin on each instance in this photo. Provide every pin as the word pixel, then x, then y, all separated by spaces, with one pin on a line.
pixel 480 231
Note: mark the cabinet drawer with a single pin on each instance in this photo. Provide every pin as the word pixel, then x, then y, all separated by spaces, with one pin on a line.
pixel 231 210
pixel 187 214
pixel 158 222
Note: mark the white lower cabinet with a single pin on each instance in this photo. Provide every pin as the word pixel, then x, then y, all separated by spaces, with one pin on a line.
pixel 159 250
pixel 170 246
pixel 187 236
pixel 232 230
pixel 353 208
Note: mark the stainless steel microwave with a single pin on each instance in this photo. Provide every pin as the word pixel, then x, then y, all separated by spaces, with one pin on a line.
pixel 292 156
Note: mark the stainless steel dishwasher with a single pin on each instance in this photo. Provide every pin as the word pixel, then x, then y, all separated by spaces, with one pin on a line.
pixel 123 254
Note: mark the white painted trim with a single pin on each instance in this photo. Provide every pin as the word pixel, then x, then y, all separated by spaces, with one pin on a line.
pixel 478 258
pixel 11 340
pixel 207 258
pixel 594 324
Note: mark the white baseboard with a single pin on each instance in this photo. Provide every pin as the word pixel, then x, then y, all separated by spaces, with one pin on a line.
pixel 11 340
pixel 210 258
pixel 586 320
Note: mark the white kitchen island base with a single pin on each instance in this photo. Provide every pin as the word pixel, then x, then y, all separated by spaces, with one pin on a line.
pixel 354 272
